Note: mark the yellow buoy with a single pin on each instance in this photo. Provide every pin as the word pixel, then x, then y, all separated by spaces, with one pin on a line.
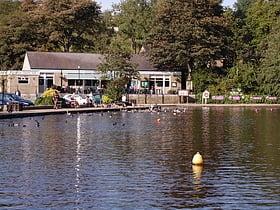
pixel 197 159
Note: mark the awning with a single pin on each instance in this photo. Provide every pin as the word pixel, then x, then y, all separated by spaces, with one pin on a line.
pixel 83 76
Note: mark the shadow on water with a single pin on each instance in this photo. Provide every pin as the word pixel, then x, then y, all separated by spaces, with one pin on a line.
pixel 142 160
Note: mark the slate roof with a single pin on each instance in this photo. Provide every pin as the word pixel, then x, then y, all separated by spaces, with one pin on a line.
pixel 71 61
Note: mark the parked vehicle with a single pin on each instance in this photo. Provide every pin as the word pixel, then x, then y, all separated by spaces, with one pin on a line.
pixel 21 100
pixel 80 99
pixel 12 105
pixel 7 99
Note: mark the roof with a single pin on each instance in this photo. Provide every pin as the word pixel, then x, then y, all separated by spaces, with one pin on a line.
pixel 58 60
pixel 143 63
pixel 71 61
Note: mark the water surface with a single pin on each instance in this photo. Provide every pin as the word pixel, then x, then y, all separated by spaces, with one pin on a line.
pixel 131 160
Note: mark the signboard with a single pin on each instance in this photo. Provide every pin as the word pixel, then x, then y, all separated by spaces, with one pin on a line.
pixel 183 93
pixel 205 94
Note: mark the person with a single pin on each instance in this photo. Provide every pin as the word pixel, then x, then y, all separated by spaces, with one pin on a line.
pixel 55 99
pixel 89 102
pixel 17 92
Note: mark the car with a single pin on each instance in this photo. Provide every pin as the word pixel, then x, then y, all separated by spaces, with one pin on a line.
pixel 22 101
pixel 11 104
pixel 6 99
pixel 80 99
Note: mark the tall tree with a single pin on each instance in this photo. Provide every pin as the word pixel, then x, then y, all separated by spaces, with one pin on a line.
pixel 260 18
pixel 188 35
pixel 13 34
pixel 269 76
pixel 133 19
pixel 64 25
pixel 118 69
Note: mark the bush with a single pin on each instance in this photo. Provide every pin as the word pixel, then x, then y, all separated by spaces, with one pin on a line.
pixel 44 101
pixel 46 97
pixel 106 99
pixel 172 92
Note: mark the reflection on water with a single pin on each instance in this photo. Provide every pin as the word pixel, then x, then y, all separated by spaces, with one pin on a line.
pixel 133 161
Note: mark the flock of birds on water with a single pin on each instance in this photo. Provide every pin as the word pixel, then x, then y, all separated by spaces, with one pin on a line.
pixel 152 109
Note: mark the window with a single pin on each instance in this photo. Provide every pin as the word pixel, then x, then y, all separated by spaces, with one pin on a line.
pixel 71 82
pixel 167 83
pixel 160 81
pixel 144 84
pixel 22 80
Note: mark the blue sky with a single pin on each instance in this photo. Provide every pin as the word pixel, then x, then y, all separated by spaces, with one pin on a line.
pixel 106 4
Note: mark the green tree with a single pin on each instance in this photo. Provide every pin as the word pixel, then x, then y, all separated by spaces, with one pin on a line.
pixel 48 25
pixel 68 25
pixel 260 18
pixel 188 35
pixel 133 19
pixel 119 70
pixel 244 77
pixel 269 76
pixel 14 35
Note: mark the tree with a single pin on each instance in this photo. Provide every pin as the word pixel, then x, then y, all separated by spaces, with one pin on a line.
pixel 188 35
pixel 259 20
pixel 70 24
pixel 269 76
pixel 48 25
pixel 119 70
pixel 13 35
pixel 133 19
pixel 244 77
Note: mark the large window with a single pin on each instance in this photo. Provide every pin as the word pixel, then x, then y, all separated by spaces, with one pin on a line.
pixel 160 81
pixel 71 82
pixel 92 83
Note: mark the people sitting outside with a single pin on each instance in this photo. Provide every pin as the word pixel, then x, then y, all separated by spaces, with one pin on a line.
pixel 73 103
pixel 89 102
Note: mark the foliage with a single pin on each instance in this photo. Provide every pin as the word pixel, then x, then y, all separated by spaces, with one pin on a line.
pixel 172 91
pixel 119 70
pixel 188 35
pixel 48 93
pixel 204 79
pixel 50 25
pixel 269 74
pixel 41 101
pixel 259 20
pixel 46 98
pixel 133 19
pixel 12 35
pixel 244 77
pixel 106 99
pixel 66 23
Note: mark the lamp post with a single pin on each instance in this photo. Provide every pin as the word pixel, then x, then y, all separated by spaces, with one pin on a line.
pixel 3 89
pixel 189 85
pixel 61 78
pixel 79 79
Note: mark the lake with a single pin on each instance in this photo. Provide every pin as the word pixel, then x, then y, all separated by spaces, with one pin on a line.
pixel 142 160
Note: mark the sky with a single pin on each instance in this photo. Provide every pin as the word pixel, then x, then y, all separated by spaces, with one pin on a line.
pixel 106 4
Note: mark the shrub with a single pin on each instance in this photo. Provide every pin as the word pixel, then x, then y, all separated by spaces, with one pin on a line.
pixel 44 101
pixel 46 97
pixel 172 92
pixel 106 99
